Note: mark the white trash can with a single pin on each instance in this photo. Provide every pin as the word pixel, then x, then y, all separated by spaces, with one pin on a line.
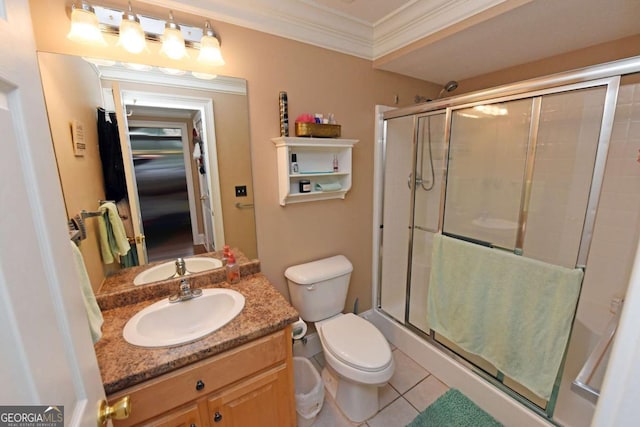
pixel 309 391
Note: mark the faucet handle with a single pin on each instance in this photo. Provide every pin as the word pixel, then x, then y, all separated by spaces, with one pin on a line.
pixel 185 287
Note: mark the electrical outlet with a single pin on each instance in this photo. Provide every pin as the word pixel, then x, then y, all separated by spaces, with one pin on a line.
pixel 241 191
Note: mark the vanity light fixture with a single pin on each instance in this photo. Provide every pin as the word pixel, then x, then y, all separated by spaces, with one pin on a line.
pixel 210 48
pixel 134 30
pixel 85 27
pixel 172 40
pixel 131 35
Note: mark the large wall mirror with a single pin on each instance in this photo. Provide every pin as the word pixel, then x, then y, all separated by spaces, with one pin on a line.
pixel 185 147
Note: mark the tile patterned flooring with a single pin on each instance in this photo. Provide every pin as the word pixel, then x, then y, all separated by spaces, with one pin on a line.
pixel 409 392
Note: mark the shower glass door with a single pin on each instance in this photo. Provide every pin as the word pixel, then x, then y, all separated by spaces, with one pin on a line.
pixel 486 171
pixel 431 154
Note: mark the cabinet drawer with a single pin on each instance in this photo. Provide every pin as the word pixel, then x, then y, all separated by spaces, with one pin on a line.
pixel 202 378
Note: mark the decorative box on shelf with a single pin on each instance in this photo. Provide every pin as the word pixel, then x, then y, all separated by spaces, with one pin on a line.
pixel 318 130
pixel 324 162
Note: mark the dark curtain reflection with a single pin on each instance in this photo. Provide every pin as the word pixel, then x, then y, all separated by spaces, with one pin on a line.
pixel 115 185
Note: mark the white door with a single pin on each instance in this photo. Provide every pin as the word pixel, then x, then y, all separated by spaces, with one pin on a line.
pixel 47 353
pixel 130 175
pixel 205 197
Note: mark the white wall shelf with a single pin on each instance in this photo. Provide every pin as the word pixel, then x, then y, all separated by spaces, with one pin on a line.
pixel 315 163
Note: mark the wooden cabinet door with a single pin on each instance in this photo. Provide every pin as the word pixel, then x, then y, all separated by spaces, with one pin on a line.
pixel 184 417
pixel 262 401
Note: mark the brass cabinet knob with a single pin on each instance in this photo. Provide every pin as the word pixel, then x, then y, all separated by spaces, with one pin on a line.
pixel 118 411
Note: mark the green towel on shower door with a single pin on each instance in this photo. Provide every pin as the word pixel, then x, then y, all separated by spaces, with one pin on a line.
pixel 513 311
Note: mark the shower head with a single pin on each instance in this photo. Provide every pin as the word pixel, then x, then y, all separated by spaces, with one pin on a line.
pixel 450 86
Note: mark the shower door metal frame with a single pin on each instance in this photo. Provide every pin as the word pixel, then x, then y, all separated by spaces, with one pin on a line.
pixel 607 75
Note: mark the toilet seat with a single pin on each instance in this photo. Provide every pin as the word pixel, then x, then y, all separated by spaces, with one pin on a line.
pixel 356 343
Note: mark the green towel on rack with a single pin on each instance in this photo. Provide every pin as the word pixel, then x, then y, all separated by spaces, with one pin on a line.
pixel 513 311
pixel 113 238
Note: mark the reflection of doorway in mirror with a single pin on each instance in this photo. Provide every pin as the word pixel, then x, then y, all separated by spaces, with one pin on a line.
pixel 168 206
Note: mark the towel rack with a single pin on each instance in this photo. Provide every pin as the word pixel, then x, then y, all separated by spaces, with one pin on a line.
pixel 244 205
pixel 87 214
pixel 580 384
pixel 77 229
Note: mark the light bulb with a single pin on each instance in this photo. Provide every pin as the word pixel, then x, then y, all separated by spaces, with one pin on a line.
pixel 131 33
pixel 172 40
pixel 210 53
pixel 85 27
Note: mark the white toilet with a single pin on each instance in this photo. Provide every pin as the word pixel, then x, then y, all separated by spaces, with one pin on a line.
pixel 357 355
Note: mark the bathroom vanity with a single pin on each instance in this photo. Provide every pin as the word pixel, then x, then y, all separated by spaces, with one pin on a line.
pixel 240 375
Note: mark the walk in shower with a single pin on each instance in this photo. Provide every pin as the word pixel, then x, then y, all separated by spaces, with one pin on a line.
pixel 519 169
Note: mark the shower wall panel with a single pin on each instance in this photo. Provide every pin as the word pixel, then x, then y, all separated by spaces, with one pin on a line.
pixel 431 157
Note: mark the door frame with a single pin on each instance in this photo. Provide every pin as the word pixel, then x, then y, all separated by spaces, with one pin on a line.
pixel 205 106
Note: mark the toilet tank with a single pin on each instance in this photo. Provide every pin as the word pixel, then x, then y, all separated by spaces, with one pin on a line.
pixel 318 289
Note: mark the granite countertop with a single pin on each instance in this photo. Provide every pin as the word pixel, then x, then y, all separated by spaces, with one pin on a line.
pixel 118 288
pixel 123 365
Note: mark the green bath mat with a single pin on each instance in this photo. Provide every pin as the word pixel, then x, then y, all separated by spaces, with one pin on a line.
pixel 454 409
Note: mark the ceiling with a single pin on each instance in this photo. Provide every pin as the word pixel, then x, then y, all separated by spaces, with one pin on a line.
pixel 433 40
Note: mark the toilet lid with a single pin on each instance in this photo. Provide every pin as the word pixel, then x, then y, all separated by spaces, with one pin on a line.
pixel 356 342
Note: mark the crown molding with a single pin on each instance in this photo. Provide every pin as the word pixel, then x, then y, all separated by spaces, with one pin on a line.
pixel 298 20
pixel 421 19
pixel 312 23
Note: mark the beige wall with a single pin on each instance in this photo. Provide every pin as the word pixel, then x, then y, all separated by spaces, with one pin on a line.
pixel 316 80
pixel 605 52
pixel 72 92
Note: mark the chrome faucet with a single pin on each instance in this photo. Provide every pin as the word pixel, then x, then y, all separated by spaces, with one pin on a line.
pixel 185 293
pixel 181 267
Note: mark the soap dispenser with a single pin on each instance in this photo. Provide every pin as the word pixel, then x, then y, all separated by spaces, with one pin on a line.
pixel 225 254
pixel 232 269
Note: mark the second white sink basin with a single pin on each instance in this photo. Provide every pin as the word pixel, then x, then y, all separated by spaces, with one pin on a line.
pixel 167 269
pixel 164 324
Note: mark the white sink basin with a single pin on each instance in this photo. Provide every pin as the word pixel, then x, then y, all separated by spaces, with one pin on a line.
pixel 164 324
pixel 166 270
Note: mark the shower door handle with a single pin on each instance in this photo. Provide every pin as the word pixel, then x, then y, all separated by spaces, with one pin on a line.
pixel 418 180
